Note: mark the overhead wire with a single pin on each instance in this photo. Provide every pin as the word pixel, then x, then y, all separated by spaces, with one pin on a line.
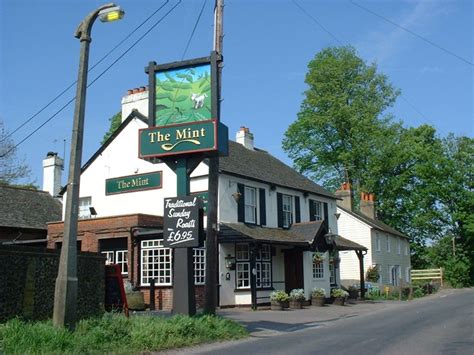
pixel 412 33
pixel 97 78
pixel 194 29
pixel 90 69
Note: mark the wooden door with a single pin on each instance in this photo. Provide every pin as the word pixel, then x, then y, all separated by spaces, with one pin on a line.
pixel 293 270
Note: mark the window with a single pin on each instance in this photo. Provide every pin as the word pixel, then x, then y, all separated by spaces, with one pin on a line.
pixel 388 243
pixel 250 205
pixel 263 266
pixel 407 274
pixel 199 255
pixel 316 210
pixel 121 257
pixel 155 263
pixel 287 211
pixel 332 274
pixel 318 270
pixel 399 246
pixel 377 241
pixel 407 248
pixel 115 251
pixel 109 255
pixel 84 204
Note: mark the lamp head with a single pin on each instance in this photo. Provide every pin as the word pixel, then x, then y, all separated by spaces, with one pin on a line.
pixel 111 14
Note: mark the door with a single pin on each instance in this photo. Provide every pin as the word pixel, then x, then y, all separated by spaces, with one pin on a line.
pixel 293 270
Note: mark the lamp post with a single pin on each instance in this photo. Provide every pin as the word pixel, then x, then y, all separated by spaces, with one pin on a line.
pixel 65 295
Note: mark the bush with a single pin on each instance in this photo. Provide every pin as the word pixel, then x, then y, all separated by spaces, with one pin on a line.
pixel 279 296
pixel 418 292
pixel 372 274
pixel 116 334
pixel 297 294
pixel 318 292
pixel 339 292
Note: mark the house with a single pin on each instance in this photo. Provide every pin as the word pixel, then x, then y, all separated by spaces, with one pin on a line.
pixel 24 214
pixel 272 220
pixel 387 248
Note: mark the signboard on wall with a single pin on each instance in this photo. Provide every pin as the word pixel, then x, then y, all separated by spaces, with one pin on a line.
pixel 133 183
pixel 182 222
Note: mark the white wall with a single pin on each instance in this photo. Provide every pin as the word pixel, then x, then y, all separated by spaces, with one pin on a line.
pixel 309 282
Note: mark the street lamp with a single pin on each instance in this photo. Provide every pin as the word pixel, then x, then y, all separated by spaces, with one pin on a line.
pixel 65 294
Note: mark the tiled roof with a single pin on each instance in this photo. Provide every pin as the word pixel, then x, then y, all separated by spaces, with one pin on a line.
pixel 25 208
pixel 346 244
pixel 261 166
pixel 374 223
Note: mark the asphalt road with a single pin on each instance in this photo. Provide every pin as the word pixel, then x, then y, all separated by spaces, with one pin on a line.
pixel 439 324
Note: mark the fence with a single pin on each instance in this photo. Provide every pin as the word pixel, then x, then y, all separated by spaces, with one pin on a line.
pixel 427 274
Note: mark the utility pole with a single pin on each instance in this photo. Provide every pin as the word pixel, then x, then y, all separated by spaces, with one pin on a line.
pixel 212 267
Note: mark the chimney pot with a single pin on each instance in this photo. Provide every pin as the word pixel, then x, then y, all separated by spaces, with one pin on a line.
pixel 129 92
pixel 135 90
pixel 367 204
pixel 245 138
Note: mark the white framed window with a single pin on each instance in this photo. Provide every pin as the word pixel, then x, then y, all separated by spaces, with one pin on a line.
pixel 407 274
pixel 318 210
pixel 407 248
pixel 110 257
pixel 387 238
pixel 199 256
pixel 84 204
pixel 243 275
pixel 318 270
pixel 119 257
pixel 377 242
pixel 264 266
pixel 242 252
pixel 332 274
pixel 399 246
pixel 155 263
pixel 287 211
pixel 250 204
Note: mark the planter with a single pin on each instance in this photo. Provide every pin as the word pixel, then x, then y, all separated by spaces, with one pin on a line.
pixel 277 306
pixel 135 300
pixel 339 301
pixel 353 294
pixel 318 301
pixel 295 304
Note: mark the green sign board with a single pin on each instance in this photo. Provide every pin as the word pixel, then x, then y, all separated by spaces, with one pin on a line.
pixel 194 137
pixel 133 183
pixel 183 95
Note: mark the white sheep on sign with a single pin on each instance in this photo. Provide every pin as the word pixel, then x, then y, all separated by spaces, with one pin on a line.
pixel 198 100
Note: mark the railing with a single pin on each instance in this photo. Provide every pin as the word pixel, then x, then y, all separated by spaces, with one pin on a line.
pixel 427 274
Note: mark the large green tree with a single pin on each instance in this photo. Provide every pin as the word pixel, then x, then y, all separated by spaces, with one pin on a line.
pixel 115 122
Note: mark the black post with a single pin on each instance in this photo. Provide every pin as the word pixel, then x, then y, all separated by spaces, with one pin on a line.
pixel 360 255
pixel 253 275
pixel 152 295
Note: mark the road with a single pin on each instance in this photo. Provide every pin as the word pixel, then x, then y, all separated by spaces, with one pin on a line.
pixel 438 324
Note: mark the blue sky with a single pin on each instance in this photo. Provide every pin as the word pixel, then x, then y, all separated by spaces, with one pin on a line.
pixel 267 46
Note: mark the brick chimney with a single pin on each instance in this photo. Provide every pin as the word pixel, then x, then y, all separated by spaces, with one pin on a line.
pixel 136 99
pixel 345 192
pixel 245 138
pixel 52 173
pixel 367 204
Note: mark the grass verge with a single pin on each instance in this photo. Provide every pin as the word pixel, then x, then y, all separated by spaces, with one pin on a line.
pixel 114 333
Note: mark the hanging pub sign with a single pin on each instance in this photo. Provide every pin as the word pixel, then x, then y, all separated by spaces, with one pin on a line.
pixel 133 183
pixel 183 110
pixel 182 222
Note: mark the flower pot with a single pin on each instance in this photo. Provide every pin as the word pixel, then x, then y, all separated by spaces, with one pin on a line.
pixel 277 306
pixel 135 300
pixel 339 301
pixel 318 301
pixel 296 304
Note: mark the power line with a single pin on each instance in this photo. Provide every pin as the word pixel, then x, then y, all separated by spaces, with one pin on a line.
pixel 317 22
pixel 194 29
pixel 97 78
pixel 91 68
pixel 412 33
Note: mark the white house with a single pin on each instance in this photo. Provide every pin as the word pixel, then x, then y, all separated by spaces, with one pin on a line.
pixel 271 219
pixel 387 248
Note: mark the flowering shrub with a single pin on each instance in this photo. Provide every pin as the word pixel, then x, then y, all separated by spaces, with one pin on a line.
pixel 297 294
pixel 339 292
pixel 318 257
pixel 318 292
pixel 279 296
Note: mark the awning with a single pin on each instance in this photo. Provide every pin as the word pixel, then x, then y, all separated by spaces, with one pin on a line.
pixel 302 234
pixel 346 244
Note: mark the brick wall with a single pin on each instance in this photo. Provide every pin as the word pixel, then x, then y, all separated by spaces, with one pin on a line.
pixel 27 282
pixel 164 297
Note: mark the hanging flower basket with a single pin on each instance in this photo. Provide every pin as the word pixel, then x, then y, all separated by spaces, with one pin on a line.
pixel 318 258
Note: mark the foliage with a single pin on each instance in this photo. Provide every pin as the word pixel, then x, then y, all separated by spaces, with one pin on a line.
pixel 338 292
pixel 115 122
pixel 297 294
pixel 318 257
pixel 116 334
pixel 318 292
pixel 279 296
pixel 372 274
pixel 12 169
pixel 418 292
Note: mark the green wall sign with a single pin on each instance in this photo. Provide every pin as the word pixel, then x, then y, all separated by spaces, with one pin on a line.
pixel 133 183
pixel 194 137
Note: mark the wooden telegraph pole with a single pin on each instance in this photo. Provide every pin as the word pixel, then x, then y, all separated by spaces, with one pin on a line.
pixel 212 267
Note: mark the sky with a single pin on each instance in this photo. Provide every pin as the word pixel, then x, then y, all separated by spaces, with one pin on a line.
pixel 267 47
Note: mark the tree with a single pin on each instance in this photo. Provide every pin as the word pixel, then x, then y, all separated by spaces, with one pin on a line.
pixel 340 125
pixel 12 169
pixel 115 122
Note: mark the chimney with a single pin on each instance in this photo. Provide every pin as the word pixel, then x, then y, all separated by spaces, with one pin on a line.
pixel 135 99
pixel 367 204
pixel 245 138
pixel 345 192
pixel 52 172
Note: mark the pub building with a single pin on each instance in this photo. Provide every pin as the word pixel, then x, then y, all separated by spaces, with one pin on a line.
pixel 272 221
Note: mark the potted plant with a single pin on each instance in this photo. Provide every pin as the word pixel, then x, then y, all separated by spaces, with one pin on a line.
pixel 353 292
pixel 278 300
pixel 297 298
pixel 339 296
pixel 318 296
pixel 318 257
